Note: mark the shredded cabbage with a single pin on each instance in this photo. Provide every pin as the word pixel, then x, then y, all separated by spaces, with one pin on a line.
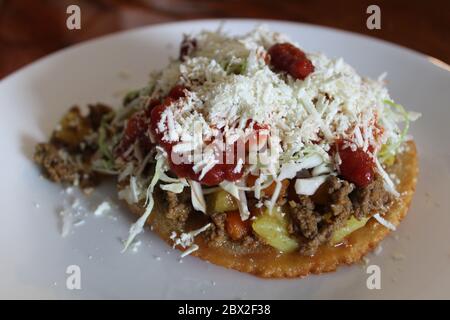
pixel 173 187
pixel 198 200
pixel 289 170
pixel 388 184
pixel 389 150
pixel 242 204
pixel 211 190
pixel 231 188
pixel 138 226
pixel 107 160
pixel 130 96
pixel 309 186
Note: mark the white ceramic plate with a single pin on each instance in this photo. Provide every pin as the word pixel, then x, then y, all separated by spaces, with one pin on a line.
pixel 415 263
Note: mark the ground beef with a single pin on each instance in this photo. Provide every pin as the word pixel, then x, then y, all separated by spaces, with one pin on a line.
pixel 315 224
pixel 303 218
pixel 249 241
pixel 312 223
pixel 217 235
pixel 67 157
pixel 61 167
pixel 308 248
pixel 339 191
pixel 178 207
pixel 368 201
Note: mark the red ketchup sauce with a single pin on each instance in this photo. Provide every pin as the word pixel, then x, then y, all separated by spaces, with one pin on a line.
pixel 357 165
pixel 288 58
pixel 220 172
pixel 137 129
pixel 143 122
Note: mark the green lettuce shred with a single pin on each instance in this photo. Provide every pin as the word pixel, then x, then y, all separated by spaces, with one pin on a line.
pixel 103 145
pixel 389 150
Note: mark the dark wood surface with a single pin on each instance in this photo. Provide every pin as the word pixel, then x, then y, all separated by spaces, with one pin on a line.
pixel 30 29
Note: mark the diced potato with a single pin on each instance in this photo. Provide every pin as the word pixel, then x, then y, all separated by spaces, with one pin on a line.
pixel 353 224
pixel 222 201
pixel 272 228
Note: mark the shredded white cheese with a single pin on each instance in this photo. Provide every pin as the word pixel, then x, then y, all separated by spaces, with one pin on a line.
pixel 102 208
pixel 334 101
pixel 186 240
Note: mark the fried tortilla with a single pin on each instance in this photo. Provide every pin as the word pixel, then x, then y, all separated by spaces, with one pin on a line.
pixel 265 261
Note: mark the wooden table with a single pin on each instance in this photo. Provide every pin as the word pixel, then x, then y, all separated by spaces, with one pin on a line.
pixel 30 29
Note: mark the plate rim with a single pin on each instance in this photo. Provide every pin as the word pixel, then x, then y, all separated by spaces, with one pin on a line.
pixel 21 72
pixel 219 21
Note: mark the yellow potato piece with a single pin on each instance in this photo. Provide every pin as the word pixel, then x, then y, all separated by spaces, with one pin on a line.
pixel 353 224
pixel 272 228
pixel 222 201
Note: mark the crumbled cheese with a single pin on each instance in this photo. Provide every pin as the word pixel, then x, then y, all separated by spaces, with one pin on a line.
pixel 239 165
pixel 79 223
pixel 67 221
pixel 186 240
pixel 102 208
pixel 191 249
pixel 334 101
pixel 68 190
pixel 135 246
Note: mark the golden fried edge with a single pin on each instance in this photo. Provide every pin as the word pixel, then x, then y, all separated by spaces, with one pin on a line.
pixel 271 264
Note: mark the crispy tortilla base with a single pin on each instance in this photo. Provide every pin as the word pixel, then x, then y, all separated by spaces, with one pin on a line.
pixel 266 262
